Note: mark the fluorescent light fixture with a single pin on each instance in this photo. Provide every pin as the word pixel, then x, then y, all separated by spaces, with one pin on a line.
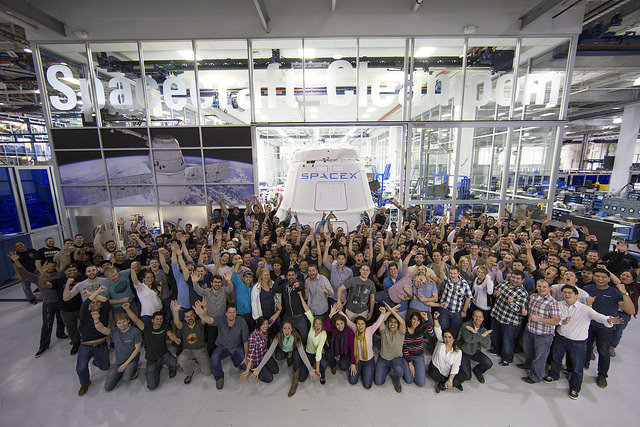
pixel 637 82
pixel 188 55
pixel 617 120
pixel 309 53
pixel 337 56
pixel 26 49
pixel 425 51
pixel 526 134
pixel 548 114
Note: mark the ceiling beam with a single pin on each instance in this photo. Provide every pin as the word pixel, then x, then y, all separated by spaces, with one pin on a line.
pixel 263 14
pixel 537 11
pixel 22 9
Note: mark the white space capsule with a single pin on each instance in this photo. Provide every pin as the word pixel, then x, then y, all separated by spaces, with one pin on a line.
pixel 323 180
pixel 170 168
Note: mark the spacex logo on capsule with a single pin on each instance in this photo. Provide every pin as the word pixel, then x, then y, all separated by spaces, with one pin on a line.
pixel 332 175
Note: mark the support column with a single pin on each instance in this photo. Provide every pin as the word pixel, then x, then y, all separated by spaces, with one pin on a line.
pixel 624 152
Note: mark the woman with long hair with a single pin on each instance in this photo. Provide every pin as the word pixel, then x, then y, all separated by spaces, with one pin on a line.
pixel 629 279
pixel 446 359
pixel 418 328
pixel 465 269
pixel 390 357
pixel 258 348
pixel 316 339
pixel 482 290
pixel 363 350
pixel 263 296
pixel 340 353
pixel 287 341
pixel 148 292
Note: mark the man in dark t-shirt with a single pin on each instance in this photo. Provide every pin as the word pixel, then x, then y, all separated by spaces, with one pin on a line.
pixel 47 252
pixel 95 309
pixel 69 310
pixel 28 261
pixel 194 346
pixel 155 346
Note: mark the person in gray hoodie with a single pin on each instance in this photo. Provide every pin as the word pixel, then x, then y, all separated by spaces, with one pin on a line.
pixel 50 305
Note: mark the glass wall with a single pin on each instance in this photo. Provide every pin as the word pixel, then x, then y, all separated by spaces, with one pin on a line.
pixel 458 120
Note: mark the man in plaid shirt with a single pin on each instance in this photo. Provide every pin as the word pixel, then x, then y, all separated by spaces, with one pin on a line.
pixel 455 301
pixel 506 316
pixel 544 315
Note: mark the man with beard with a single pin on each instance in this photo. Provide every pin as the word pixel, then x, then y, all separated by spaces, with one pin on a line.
pixel 108 249
pixel 194 346
pixel 47 252
pixel 87 286
pixel 69 310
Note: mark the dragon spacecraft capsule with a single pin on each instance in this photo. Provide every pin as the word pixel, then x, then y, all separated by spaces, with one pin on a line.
pixel 324 180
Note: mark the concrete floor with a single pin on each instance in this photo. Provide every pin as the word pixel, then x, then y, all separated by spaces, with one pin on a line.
pixel 43 392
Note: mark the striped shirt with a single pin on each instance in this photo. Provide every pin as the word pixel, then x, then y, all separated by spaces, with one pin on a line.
pixel 505 311
pixel 412 345
pixel 545 307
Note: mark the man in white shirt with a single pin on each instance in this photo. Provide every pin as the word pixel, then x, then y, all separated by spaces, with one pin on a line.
pixel 571 338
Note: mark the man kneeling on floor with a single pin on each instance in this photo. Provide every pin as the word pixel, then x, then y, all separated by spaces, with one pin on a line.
pixel 194 347
pixel 155 346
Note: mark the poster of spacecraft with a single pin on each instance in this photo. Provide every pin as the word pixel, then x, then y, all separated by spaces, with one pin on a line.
pixel 174 160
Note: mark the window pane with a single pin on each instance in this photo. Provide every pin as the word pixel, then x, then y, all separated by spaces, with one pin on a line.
pixel 382 70
pixel 437 79
pixel 431 173
pixel 171 94
pixel 489 78
pixel 277 72
pixel 482 159
pixel 36 189
pixel 9 222
pixel 223 78
pixel 117 69
pixel 67 85
pixel 80 167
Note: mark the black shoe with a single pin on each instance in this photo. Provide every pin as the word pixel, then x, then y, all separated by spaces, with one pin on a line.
pixel 172 374
pixel 62 337
pixel 523 366
pixel 493 351
pixel 458 386
pixel 398 388
pixel 602 382
pixel 439 388
pixel 323 381
pixel 334 370
pixel 480 378
pixel 528 380
pixel 83 389
pixel 612 352
pixel 74 349
pixel 547 379
pixel 40 352
pixel 33 302
pixel 187 379
pixel 573 395
pixel 220 383
pixel 504 363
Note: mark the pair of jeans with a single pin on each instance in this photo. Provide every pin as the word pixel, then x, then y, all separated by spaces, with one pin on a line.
pixel 343 361
pixel 304 372
pixel 576 352
pixel 295 356
pixel 419 366
pixel 113 376
pixel 484 364
pixel 26 287
pixel 50 312
pixel 366 369
pixel 268 371
pixel 451 321
pixel 503 339
pixel 153 368
pixel 618 329
pixel 536 350
pixel 71 319
pixel 301 323
pixel 436 375
pixel 383 366
pixel 100 355
pixel 600 336
pixel 188 356
pixel 212 335
pixel 221 353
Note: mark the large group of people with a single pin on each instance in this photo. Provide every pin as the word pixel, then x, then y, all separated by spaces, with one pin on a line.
pixel 411 300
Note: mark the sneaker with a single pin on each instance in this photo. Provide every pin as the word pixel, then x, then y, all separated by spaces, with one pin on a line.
pixel 493 351
pixel 504 363
pixel 480 378
pixel 528 380
pixel 74 349
pixel 187 379
pixel 612 352
pixel 83 389
pixel 573 395
pixel 547 379
pixel 398 388
pixel 40 352
pixel 334 370
pixel 62 337
pixel 439 388
pixel 220 383
pixel 602 382
pixel 523 366
pixel 172 373
pixel 323 381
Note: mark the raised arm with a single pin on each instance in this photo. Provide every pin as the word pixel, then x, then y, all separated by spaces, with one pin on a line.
pixel 135 319
pixel 175 308
pixel 98 324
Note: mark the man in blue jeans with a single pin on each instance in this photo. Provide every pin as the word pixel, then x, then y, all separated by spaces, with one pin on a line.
pixel 455 301
pixel 544 315
pixel 155 346
pixel 506 316
pixel 233 335
pixel 94 310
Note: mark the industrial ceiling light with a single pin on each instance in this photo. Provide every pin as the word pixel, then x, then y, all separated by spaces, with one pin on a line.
pixel 81 34
pixel 637 82
pixel 470 29
pixel 27 50
pixel 617 120
pixel 425 52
